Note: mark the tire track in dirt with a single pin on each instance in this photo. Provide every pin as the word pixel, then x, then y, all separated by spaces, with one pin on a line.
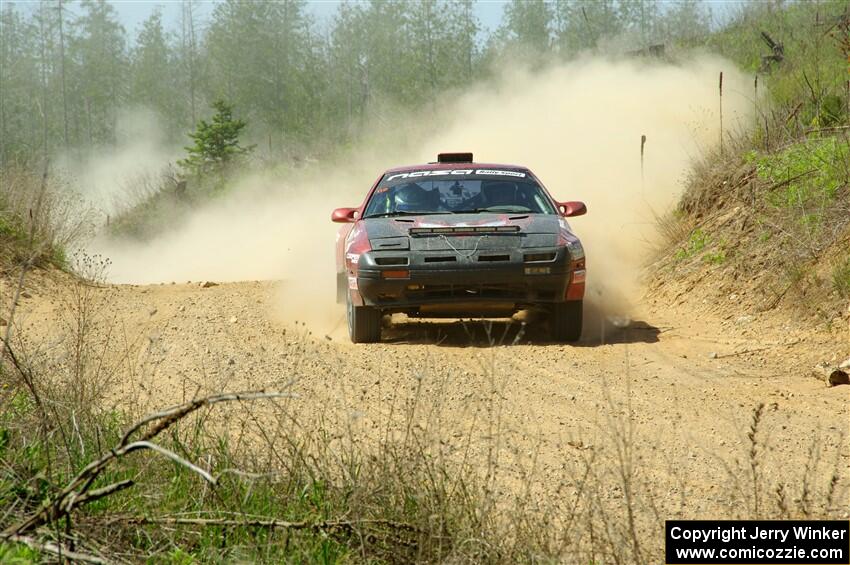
pixel 684 411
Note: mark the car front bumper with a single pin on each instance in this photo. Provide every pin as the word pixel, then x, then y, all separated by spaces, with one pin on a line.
pixel 408 280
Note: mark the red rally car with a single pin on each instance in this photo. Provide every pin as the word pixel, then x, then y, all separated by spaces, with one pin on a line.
pixel 457 238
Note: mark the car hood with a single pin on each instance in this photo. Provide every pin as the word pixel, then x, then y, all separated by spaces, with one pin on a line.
pixel 531 230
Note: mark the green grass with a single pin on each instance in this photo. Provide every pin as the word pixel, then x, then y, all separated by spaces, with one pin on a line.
pixel 12 554
pixel 716 257
pixel 698 243
pixel 695 244
pixel 11 229
pixel 806 173
pixel 395 482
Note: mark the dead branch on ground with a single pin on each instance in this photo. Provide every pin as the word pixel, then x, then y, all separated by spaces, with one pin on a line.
pixel 78 491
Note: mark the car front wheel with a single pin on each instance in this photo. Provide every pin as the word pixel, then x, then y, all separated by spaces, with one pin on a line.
pixel 565 320
pixel 364 323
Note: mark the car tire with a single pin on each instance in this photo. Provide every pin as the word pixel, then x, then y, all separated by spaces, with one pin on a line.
pixel 364 323
pixel 565 320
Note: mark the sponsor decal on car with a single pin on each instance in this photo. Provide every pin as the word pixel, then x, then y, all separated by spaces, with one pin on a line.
pixel 500 173
pixel 454 172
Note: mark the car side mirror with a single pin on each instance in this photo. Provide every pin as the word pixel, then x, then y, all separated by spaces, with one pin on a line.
pixel 571 209
pixel 344 215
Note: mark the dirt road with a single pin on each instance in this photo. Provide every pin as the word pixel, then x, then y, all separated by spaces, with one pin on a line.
pixel 678 388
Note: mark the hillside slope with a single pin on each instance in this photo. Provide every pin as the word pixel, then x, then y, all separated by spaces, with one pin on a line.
pixel 762 239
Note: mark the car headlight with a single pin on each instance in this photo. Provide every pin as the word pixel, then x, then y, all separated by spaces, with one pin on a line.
pixel 576 250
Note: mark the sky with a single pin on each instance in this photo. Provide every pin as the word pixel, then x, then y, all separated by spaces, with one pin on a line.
pixel 133 12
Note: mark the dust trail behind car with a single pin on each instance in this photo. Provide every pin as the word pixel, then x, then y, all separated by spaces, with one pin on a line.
pixel 579 125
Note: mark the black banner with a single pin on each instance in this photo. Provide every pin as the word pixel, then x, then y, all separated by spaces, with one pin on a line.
pixel 758 542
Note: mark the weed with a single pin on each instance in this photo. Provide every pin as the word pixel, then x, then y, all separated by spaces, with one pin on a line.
pixel 696 243
pixel 715 257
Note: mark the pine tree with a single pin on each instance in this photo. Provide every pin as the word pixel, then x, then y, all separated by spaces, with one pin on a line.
pixel 22 115
pixel 216 149
pixel 152 78
pixel 97 54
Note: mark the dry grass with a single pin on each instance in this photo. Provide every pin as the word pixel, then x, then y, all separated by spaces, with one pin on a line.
pixel 260 483
pixel 40 216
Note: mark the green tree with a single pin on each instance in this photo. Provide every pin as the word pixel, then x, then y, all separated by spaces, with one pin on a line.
pixel 258 53
pixel 441 39
pixel 187 58
pixel 347 59
pixel 688 21
pixel 641 19
pixel 462 42
pixel 527 26
pixel 22 115
pixel 152 78
pixel 389 52
pixel 216 149
pixel 581 25
pixel 98 65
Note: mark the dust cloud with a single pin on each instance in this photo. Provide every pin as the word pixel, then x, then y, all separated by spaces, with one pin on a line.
pixel 578 126
pixel 118 177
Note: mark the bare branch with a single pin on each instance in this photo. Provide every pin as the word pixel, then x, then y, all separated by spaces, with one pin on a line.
pixel 265 523
pixel 63 552
pixel 170 454
pixel 76 493
pixel 174 413
pixel 100 493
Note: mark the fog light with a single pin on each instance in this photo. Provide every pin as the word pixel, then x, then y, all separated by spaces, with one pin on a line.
pixel 414 287
pixel 538 270
pixel 405 274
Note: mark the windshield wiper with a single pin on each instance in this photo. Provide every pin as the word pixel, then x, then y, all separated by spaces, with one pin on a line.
pixel 504 209
pixel 402 213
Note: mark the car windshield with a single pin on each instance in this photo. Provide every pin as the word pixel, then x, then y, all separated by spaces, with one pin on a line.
pixel 457 193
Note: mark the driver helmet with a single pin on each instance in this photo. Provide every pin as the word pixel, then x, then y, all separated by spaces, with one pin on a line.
pixel 412 198
pixel 500 193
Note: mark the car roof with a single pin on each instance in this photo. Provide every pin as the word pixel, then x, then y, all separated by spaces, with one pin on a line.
pixel 452 166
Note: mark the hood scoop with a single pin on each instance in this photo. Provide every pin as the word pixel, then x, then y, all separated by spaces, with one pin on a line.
pixel 390 243
pixel 464 230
